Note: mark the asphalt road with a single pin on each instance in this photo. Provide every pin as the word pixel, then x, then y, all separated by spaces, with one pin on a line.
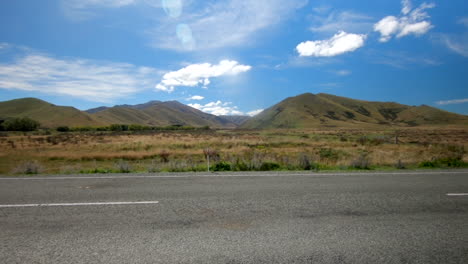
pixel 404 217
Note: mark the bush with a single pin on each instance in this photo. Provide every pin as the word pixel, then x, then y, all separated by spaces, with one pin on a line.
pixel 240 166
pixel 330 154
pixel 21 124
pixel 222 166
pixel 444 163
pixel 306 163
pixel 361 163
pixel 400 165
pixel 63 129
pixel 123 166
pixel 28 167
pixel 269 166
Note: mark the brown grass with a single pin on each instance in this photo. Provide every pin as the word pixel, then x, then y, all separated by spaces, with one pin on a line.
pixel 184 150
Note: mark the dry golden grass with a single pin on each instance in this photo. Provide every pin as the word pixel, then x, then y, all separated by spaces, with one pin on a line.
pixel 75 152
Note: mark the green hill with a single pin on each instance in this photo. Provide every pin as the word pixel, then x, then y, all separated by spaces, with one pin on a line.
pixel 309 110
pixel 47 114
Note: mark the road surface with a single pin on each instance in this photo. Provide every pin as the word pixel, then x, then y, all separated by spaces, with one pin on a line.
pixel 402 217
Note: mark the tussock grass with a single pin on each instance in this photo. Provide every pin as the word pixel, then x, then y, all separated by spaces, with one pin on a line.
pixel 240 149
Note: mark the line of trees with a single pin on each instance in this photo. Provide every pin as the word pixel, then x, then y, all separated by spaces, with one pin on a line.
pixel 19 124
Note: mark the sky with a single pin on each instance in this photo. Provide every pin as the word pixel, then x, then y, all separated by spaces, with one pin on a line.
pixel 234 57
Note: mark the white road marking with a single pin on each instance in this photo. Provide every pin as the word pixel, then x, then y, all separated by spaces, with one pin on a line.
pixel 74 204
pixel 228 175
pixel 457 194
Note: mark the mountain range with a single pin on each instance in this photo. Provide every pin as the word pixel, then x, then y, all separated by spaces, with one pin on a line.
pixel 302 111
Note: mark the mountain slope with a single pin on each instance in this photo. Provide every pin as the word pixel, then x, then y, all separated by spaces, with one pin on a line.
pixel 157 113
pixel 47 114
pixel 309 110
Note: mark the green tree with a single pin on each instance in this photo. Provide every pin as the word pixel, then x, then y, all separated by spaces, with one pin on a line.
pixel 21 124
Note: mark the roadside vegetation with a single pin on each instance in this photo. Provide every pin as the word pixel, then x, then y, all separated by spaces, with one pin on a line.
pixel 125 149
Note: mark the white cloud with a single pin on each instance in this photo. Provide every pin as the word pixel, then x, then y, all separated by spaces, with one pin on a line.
pixel 341 21
pixel 196 98
pixel 199 74
pixel 406 7
pixel 223 23
pixel 340 43
pixel 255 112
pixel 87 79
pixel 412 22
pixel 218 108
pixel 343 72
pixel 456 101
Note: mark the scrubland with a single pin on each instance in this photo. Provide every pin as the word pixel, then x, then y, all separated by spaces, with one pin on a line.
pixel 232 150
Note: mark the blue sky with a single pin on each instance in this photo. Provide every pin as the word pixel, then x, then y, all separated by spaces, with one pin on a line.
pixel 234 56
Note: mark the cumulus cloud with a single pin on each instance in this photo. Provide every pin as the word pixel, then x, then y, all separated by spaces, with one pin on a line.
pixel 412 22
pixel 199 74
pixel 340 43
pixel 218 108
pixel 195 98
pixel 87 79
pixel 255 112
pixel 456 101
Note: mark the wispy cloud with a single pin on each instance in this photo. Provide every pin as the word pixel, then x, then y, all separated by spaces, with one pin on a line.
pixel 402 60
pixel 340 43
pixel 199 74
pixel 92 80
pixel 455 101
pixel 223 23
pixel 4 45
pixel 412 22
pixel 85 9
pixel 218 108
pixel 457 43
pixel 341 21
pixel 343 72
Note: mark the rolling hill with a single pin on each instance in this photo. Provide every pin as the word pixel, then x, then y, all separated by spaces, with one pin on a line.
pixel 47 114
pixel 310 110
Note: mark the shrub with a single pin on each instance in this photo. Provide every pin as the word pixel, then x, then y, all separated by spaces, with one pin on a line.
pixel 362 162
pixel 63 129
pixel 28 167
pixel 269 166
pixel 304 162
pixel 21 124
pixel 222 166
pixel 240 165
pixel 330 154
pixel 400 165
pixel 164 155
pixel 123 166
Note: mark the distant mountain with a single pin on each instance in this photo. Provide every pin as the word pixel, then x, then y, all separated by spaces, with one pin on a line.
pixel 236 119
pixel 302 111
pixel 137 106
pixel 47 114
pixel 158 113
pixel 309 110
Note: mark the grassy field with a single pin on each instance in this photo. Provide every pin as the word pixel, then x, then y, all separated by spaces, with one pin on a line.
pixel 105 152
